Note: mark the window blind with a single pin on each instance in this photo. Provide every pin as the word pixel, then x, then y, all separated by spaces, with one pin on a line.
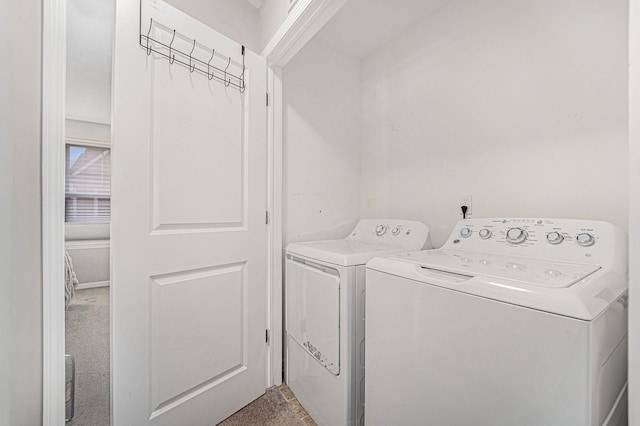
pixel 87 184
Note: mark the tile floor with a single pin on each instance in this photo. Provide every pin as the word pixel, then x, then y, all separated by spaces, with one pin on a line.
pixel 277 407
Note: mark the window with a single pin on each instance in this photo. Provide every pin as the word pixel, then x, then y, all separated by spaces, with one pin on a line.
pixel 87 184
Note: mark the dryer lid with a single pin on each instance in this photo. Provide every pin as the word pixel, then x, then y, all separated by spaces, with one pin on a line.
pixel 535 272
pixel 346 252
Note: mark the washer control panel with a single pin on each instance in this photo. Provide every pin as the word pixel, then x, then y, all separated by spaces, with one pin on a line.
pixel 561 239
pixel 394 232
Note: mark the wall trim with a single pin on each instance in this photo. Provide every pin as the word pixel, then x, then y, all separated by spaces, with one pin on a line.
pixel 53 124
pixel 304 22
pixel 87 244
pixel 94 284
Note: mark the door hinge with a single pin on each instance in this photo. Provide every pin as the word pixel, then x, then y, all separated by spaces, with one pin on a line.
pixel 267 98
pixel 266 336
pixel 266 217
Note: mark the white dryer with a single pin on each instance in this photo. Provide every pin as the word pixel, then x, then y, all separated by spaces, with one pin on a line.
pixel 511 322
pixel 325 285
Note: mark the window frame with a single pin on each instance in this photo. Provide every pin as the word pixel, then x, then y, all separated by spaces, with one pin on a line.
pixel 86 230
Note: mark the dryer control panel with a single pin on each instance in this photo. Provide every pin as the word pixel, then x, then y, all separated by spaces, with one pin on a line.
pixel 407 234
pixel 572 240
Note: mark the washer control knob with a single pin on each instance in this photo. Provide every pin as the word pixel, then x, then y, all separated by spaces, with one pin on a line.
pixel 381 230
pixel 516 236
pixel 485 234
pixel 554 237
pixel 396 231
pixel 465 232
pixel 585 239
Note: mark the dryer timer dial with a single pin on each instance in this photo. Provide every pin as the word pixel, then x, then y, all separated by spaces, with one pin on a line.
pixel 516 236
pixel 381 230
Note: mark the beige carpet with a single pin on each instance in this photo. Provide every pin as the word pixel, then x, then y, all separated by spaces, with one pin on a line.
pixel 87 339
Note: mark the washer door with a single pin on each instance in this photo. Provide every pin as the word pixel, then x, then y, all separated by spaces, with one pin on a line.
pixel 313 310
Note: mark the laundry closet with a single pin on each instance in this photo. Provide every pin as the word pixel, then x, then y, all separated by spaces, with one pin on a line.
pixel 399 110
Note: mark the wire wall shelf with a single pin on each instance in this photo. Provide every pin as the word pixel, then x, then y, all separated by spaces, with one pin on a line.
pixel 194 64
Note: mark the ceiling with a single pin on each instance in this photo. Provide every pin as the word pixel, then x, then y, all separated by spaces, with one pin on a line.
pixel 256 3
pixel 362 26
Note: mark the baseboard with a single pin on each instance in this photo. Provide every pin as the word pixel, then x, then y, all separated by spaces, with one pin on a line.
pixel 95 284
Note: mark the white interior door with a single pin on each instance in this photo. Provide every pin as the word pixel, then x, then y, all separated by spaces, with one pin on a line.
pixel 189 239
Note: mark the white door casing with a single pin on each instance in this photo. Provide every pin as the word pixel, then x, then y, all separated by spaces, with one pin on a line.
pixel 189 239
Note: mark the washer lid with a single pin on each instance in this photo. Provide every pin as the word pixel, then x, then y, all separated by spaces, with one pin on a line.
pixel 535 272
pixel 346 252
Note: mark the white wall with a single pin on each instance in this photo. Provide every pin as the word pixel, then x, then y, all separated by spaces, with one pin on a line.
pixel 237 19
pixel 89 43
pixel 522 104
pixel 20 235
pixel 634 216
pixel 321 145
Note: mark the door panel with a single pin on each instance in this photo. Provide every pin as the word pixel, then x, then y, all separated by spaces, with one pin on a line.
pixel 199 181
pixel 189 242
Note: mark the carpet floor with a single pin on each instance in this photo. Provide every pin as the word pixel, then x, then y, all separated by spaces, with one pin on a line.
pixel 87 339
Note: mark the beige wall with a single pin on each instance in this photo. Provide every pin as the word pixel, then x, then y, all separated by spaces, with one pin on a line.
pixel 634 222
pixel 6 220
pixel 321 146
pixel 521 104
pixel 20 212
pixel 272 15
pixel 237 19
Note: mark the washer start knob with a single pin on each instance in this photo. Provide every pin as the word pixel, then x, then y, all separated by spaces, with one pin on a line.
pixel 554 238
pixel 465 232
pixel 485 234
pixel 516 236
pixel 381 230
pixel 585 239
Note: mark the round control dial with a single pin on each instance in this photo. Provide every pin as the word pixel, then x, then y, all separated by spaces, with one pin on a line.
pixel 396 231
pixel 516 236
pixel 381 230
pixel 555 237
pixel 485 234
pixel 465 232
pixel 585 239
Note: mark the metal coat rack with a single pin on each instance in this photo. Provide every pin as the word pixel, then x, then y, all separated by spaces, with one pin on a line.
pixel 191 62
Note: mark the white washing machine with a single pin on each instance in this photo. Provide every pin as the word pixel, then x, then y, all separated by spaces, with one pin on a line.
pixel 325 285
pixel 511 322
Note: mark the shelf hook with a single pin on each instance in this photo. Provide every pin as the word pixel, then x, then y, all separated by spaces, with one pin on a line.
pixel 148 33
pixel 171 56
pixel 192 67
pixel 210 76
pixel 227 82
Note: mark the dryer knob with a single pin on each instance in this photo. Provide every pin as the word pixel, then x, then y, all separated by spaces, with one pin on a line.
pixel 485 234
pixel 585 239
pixel 465 232
pixel 381 230
pixel 554 237
pixel 516 236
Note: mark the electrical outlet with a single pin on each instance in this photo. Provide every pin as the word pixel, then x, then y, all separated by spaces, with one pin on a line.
pixel 465 200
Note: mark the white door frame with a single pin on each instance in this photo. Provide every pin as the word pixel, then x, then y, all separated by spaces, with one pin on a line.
pixel 54 55
pixel 304 21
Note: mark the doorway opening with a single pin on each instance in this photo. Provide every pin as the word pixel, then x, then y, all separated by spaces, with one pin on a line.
pixel 87 210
